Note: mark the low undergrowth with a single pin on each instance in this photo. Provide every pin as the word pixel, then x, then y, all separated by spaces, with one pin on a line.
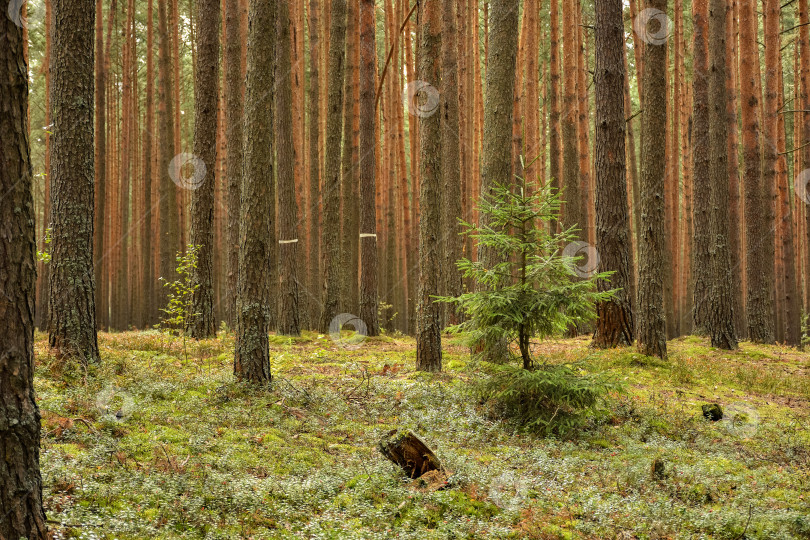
pixel 151 445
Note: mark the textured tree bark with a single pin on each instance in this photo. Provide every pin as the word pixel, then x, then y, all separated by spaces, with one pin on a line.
pixel 428 312
pixel 700 166
pixel 652 336
pixel 72 317
pixel 100 182
pixel 759 309
pixel 147 259
pixel 720 323
pixel 252 355
pixel 761 321
pixel 497 152
pixel 554 137
pixel 614 325
pixel 233 125
pixel 350 220
pixel 21 513
pixel 789 302
pixel 573 214
pixel 168 242
pixel 206 101
pixel 409 452
pixel 330 230
pixel 44 270
pixel 736 228
pixel 804 56
pixel 451 164
pixel 369 298
pixel 315 149
pixel 287 299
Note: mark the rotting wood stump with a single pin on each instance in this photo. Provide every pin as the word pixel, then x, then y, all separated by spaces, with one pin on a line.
pixel 410 453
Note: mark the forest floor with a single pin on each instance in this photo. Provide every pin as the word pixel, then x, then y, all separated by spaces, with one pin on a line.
pixel 191 454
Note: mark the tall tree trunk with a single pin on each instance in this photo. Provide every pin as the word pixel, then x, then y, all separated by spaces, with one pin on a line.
pixel 450 162
pixel 369 296
pixel 22 515
pixel 315 150
pixel 573 210
pixel 288 315
pixel 147 259
pixel 44 269
pixel 700 165
pixel 615 324
pixel 168 173
pixel 652 335
pixel 330 244
pixel 233 125
pixel 804 55
pixel 720 323
pixel 758 308
pixel 203 325
pixel 735 202
pixel 72 316
pixel 554 137
pixel 100 182
pixel 252 355
pixel 428 312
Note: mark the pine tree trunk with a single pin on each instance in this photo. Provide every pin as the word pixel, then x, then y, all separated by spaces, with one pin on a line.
pixel 287 299
pixel 252 356
pixel 72 317
pixel 369 297
pixel 720 323
pixel 451 165
pixel 652 336
pixel 573 214
pixel 233 125
pixel 330 230
pixel 428 312
pixel 147 260
pixel 22 515
pixel 804 55
pixel 203 325
pixel 166 148
pixel 100 182
pixel 615 324
pixel 700 167
pixel 315 150
pixel 554 137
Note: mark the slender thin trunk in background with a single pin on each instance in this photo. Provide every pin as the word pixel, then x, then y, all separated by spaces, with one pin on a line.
pixel 554 137
pixel 288 316
pixel 234 81
pixel 573 209
pixel 451 148
pixel 428 312
pixel 316 151
pixel 330 245
pixel 804 55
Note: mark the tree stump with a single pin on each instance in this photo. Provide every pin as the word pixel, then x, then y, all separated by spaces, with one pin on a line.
pixel 410 453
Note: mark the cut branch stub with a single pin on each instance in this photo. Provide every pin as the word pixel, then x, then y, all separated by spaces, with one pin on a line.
pixel 410 453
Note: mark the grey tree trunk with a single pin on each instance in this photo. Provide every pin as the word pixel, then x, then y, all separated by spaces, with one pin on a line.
pixel 252 355
pixel 72 313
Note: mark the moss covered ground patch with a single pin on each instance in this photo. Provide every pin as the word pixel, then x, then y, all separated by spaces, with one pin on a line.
pixel 150 444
